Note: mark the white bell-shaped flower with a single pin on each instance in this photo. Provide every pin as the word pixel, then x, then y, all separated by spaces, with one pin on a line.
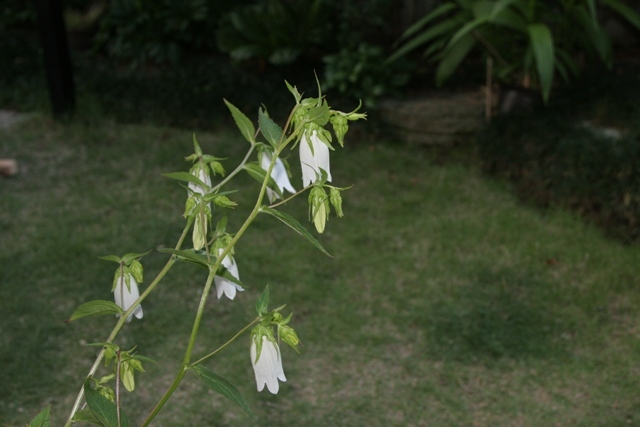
pixel 201 173
pixel 126 296
pixel 314 155
pixel 268 366
pixel 279 175
pixel 226 286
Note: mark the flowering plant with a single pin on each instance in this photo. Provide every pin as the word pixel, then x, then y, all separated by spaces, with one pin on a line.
pixel 213 247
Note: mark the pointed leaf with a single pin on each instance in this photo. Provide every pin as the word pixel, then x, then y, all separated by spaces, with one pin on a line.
pixel 103 409
pixel 86 416
pixel 543 51
pixel 188 255
pixel 269 129
pixel 452 58
pixel 222 386
pixel 95 308
pixel 319 115
pixel 244 124
pixel 131 256
pixel 262 303
pixel 295 226
pixel 625 12
pixel 185 176
pixel 260 174
pixel 111 258
pixel 294 92
pixel 42 419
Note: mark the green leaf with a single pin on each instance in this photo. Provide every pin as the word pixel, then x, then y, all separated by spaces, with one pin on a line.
pixel 260 175
pixel 95 308
pixel 112 258
pixel 86 416
pixel 292 223
pixel 42 419
pixel 543 51
pixel 185 176
pixel 319 115
pixel 222 386
pixel 103 409
pixel 244 124
pixel 188 255
pixel 269 129
pixel 452 58
pixel 440 10
pixel 294 92
pixel 625 12
pixel 131 256
pixel 262 303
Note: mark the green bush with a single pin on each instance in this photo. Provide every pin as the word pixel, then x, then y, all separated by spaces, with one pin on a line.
pixel 158 31
pixel 565 157
pixel 361 74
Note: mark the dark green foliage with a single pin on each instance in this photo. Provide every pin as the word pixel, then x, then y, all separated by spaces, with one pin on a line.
pixel 361 74
pixel 141 31
pixel 568 155
pixel 277 31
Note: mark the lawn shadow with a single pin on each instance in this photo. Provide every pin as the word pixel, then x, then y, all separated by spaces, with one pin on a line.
pixel 500 314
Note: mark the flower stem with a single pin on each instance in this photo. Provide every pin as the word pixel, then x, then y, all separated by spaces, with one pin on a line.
pixel 123 319
pixel 219 349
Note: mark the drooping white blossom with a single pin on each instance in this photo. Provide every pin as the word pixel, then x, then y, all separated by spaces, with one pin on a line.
pixel 226 286
pixel 314 156
pixel 268 366
pixel 201 173
pixel 126 296
pixel 279 175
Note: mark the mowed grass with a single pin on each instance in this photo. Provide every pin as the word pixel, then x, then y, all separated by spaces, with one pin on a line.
pixel 446 302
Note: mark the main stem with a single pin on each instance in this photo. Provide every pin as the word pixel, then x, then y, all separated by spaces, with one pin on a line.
pixel 123 318
pixel 185 366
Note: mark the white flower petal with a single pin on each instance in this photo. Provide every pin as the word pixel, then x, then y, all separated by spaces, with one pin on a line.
pixel 125 297
pixel 226 286
pixel 279 175
pixel 204 177
pixel 314 155
pixel 268 368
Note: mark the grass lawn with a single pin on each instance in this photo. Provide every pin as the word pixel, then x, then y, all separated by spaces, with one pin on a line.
pixel 447 302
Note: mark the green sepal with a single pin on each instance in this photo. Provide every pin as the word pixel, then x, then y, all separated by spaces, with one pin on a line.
pixel 244 124
pixel 185 176
pixel 42 419
pixel 188 255
pixel 294 92
pixel 269 129
pixel 263 302
pixel 292 223
pixel 135 269
pixel 260 175
pixel 103 409
pixel 95 308
pixel 222 386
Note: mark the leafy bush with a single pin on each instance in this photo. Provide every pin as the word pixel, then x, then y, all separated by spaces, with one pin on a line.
pixel 362 74
pixel 141 31
pixel 278 31
pixel 569 158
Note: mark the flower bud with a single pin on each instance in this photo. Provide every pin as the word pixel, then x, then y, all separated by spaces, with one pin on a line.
pixel 319 207
pixel 336 200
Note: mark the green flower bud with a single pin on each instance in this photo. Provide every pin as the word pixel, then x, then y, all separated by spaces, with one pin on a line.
pixel 319 207
pixel 336 200
pixel 289 336
pixel 340 127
